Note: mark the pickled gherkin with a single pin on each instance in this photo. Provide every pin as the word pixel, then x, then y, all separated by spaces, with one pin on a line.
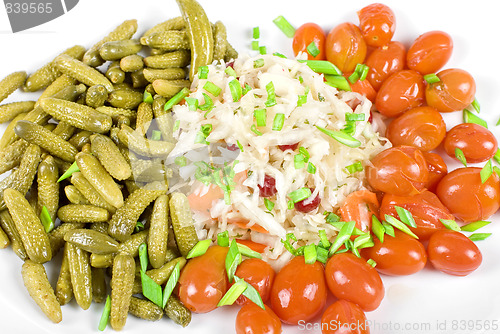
pixel 115 50
pixel 64 289
pixel 110 157
pixel 10 83
pixel 145 309
pixel 73 213
pixel 122 282
pixel 48 187
pixel 81 275
pixel 11 110
pixel 92 241
pixel 96 96
pixel 182 223
pixel 81 72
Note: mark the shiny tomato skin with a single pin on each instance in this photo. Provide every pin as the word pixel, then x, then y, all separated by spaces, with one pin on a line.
pixel 259 274
pixel 363 87
pixel 453 253
pixel 251 319
pixel 360 206
pixel 396 256
pixel 377 23
pixel 437 169
pixel 343 317
pixel 426 209
pixel 307 34
pixel 467 198
pixel 421 127
pixel 430 52
pixel 351 278
pixel 384 61
pixel 203 281
pixel 476 142
pixel 345 47
pixel 455 90
pixel 400 92
pixel 398 170
pixel 299 291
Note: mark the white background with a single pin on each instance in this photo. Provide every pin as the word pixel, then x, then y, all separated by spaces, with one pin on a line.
pixel 424 298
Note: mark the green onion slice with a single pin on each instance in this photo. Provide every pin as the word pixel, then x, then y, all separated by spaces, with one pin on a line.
pixel 254 129
pixel 312 49
pixel 322 66
pixel 353 78
pixel 405 216
pixel 151 290
pixel 171 283
pixel 262 50
pixel 271 95
pixel 470 117
pixel 239 146
pixel 354 117
pixel 450 224
pixel 298 161
pixel 103 322
pixel 341 137
pixel 233 260
pixel 230 71
pixel 223 239
pixel 322 255
pixel 479 236
pixel 459 154
pixel 233 293
pixel 180 161
pixel 143 256
pixel 311 168
pixel 203 72
pixel 389 230
pixel 248 252
pixel 496 170
pixel 258 63
pixel 148 98
pixel 363 73
pixel 475 104
pixel 431 78
pixel 277 54
pixel 208 105
pixel 474 226
pixel 268 204
pixel 363 239
pixel 497 156
pixel 284 26
pixel 156 135
pixel 199 249
pixel 212 88
pixel 236 90
pixel 176 99
pixel 331 217
pixel 310 254
pixel 256 33
pixel 371 262
pixel 252 294
pixel 338 81
pixel 343 235
pixel 325 243
pixel 255 46
pixel 139 226
pixel 486 172
pixel 377 228
pixel 47 222
pixel 192 103
pixel 72 169
pixel 260 116
pixel 305 153
pixel 299 194
pixel 400 226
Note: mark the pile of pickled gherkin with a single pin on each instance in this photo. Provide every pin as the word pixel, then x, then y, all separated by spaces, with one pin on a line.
pixel 87 167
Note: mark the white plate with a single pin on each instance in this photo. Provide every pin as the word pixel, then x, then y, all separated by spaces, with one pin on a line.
pixel 427 302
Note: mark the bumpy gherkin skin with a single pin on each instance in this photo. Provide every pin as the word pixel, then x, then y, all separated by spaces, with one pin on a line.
pixel 179 58
pixel 4 239
pixel 158 232
pixel 177 312
pixel 122 282
pixel 220 40
pixel 36 281
pixel 99 286
pixel 11 155
pixel 10 110
pixel 170 40
pixel 10 83
pixel 145 309
pixel 110 157
pixel 81 276
pixel 174 73
pixel 9 227
pixel 92 241
pixel 89 192
pixel 182 223
pixel 81 72
pixel 64 289
pixel 78 213
pixel 48 187
pixel 125 98
pixel 115 50
pixel 176 23
pixel 96 96
pixel 56 236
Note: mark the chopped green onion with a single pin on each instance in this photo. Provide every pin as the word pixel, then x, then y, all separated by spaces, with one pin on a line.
pixel 469 117
pixel 246 89
pixel 156 135
pixel 405 216
pixel 312 49
pixel 277 54
pixel 377 228
pixel 143 256
pixel 148 98
pixel 355 167
pixel 331 217
pixel 72 169
pixel 431 78
pixel 290 205
pixel 47 222
pixel 284 26
pixel 497 170
pixel 311 168
pixel 476 106
pixel 322 66
pixel 479 236
pixel 233 293
pixel 180 161
pixel 389 230
pixel 199 249
pixel 349 127
pixel 230 71
pixel 256 33
pixel 486 172
pixel 363 72
pixel 354 77
pixel 208 105
pixel 212 88
pixel 271 95
pixel 350 245
pixel 310 254
pixel 325 243
pixel 260 116
pixel 305 153
pixel 497 156
pixel 240 146
pixel 371 262
pixel 236 90
pixel 341 137
pixel 298 161
pixel 254 129
pixel 278 122
pixel 171 283
pixel 203 72
pixel 474 226
pixel 268 204
pixel 322 255
pixel 459 154
pixel 177 123
pixel 400 225
pixel 354 117
pixel 258 63
pixel 450 224
pixel 338 81
pixel 176 99
pixel 103 322
pixel 255 46
pixel 262 50
pixel 139 226
pixel 301 100
pixel 233 260
pixel 252 294
pixel 151 290
pixel 192 103
pixel 343 235
pixel 299 194
pixel 248 252
pixel 223 239
pixel 363 239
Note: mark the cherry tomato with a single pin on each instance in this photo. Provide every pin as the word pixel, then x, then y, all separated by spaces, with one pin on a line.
pixel 251 319
pixel 384 61
pixel 426 209
pixel 299 291
pixel 455 90
pixel 363 87
pixel 343 317
pixel 203 281
pixel 476 142
pixel 398 255
pixel 305 35
pixel 421 127
pixel 259 274
pixel 360 206
pixel 437 169
pixel 467 198
pixel 399 170
pixel 429 52
pixel 400 92
pixel 351 278
pixel 453 253
pixel 345 47
pixel 377 23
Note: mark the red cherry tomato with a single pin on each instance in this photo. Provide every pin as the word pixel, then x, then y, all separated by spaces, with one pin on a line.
pixel 467 198
pixel 299 291
pixel 453 253
pixel 203 281
pixel 345 47
pixel 421 127
pixel 363 87
pixel 476 142
pixel 351 278
pixel 343 317
pixel 399 255
pixel 377 23
pixel 251 319
pixel 426 209
pixel 305 35
pixel 399 170
pixel 360 206
pixel 430 52
pixel 384 61
pixel 259 274
pixel 400 92
pixel 437 169
pixel 455 90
